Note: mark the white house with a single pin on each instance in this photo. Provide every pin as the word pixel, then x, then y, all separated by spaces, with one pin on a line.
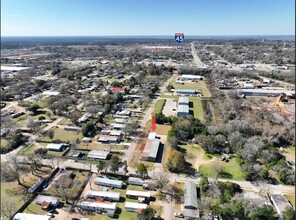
pixel 98 154
pixel 135 181
pixel 98 206
pixel 25 216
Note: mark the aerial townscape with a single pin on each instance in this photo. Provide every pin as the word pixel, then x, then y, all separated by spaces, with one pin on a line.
pixel 147 127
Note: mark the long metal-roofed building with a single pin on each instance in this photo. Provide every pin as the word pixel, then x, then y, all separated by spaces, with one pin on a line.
pixel 26 216
pixel 186 91
pixel 108 182
pixel 190 77
pixel 182 110
pixel 151 150
pixel 280 203
pixel 266 92
pixel 191 211
pixel 98 154
pixel 112 196
pixel 183 101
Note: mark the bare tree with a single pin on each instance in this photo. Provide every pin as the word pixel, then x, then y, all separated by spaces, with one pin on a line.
pixel 8 209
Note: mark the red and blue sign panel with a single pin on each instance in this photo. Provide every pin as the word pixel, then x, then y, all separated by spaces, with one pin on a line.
pixel 179 37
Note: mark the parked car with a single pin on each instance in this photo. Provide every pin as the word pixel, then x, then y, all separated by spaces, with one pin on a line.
pixel 178 215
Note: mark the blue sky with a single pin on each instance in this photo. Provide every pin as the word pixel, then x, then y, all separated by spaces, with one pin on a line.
pixel 143 17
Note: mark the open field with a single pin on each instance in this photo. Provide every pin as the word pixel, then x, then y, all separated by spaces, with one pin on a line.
pixel 29 150
pixel 197 107
pixel 230 170
pixel 199 85
pixel 195 155
pixel 291 199
pixel 3 143
pixel 12 193
pixel 158 106
pixel 289 153
pixel 63 135
pixel 162 129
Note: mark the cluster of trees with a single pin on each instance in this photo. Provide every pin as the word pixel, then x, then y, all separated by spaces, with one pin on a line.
pixel 112 165
pixel 183 129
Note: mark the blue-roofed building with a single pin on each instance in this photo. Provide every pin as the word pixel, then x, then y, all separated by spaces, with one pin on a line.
pixel 186 91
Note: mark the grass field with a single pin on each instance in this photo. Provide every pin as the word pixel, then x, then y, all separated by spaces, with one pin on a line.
pixel 12 193
pixel 200 85
pixel 158 106
pixel 291 198
pixel 63 135
pixel 289 153
pixel 230 170
pixel 3 143
pixel 197 107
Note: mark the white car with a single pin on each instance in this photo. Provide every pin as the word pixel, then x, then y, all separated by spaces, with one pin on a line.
pixel 179 215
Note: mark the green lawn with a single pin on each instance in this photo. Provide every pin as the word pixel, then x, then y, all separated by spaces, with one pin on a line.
pixel 200 85
pixel 291 198
pixel 230 170
pixel 197 107
pixel 289 153
pixel 63 135
pixel 159 106
pixel 3 143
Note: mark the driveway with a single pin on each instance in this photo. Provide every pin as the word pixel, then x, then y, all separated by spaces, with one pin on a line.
pixel 170 104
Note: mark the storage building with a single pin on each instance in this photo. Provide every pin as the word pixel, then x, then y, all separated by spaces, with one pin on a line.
pixel 186 91
pixel 190 77
pixel 108 182
pixel 182 110
pixel 108 139
pixel 25 216
pixel 113 196
pixel 151 150
pixel 280 203
pixel 183 101
pixel 190 201
pixel 56 147
pixel 98 154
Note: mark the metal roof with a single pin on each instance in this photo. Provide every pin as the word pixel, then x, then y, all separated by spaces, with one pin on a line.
pixel 105 205
pixel 25 216
pixel 191 91
pixel 55 146
pixel 183 109
pixel 151 135
pixel 103 194
pixel 40 199
pixel 98 154
pixel 183 100
pixel 134 205
pixel 267 91
pixel 138 193
pixel 99 180
pixel 191 76
pixel 190 195
pixel 280 202
pixel 151 148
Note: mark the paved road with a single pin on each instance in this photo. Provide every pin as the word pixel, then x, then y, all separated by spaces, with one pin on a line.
pixel 32 139
pixel 196 59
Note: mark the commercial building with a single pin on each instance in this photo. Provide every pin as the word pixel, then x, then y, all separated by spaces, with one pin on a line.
pixel 280 203
pixel 56 147
pixel 191 211
pixel 183 101
pixel 190 77
pixel 151 150
pixel 266 92
pixel 98 154
pixel 186 91
pixel 25 216
pixel 113 196
pixel 108 182
pixel 135 207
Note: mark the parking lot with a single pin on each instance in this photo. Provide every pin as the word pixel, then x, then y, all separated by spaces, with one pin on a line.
pixel 170 107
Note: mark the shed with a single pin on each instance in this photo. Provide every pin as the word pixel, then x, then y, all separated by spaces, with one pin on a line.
pixel 190 201
pixel 54 201
pixel 56 147
pixel 25 216
pixel 108 182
